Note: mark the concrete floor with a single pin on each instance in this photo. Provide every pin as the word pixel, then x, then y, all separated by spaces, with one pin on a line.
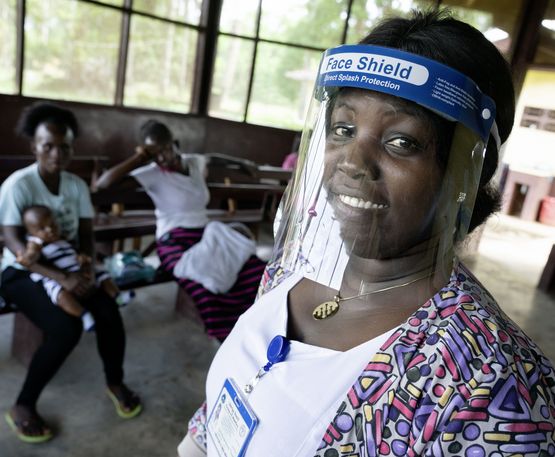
pixel 167 357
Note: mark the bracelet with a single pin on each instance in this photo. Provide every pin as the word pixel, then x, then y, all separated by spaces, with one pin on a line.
pixel 35 239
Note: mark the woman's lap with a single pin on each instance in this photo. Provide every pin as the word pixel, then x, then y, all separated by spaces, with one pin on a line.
pixel 218 312
pixel 32 300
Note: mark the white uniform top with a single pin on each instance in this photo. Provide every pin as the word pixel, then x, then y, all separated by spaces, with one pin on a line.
pixel 298 398
pixel 180 200
pixel 25 187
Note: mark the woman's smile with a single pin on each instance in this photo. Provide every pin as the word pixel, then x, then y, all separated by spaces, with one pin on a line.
pixel 355 202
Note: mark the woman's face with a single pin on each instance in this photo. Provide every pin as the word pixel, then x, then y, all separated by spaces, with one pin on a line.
pixel 165 154
pixel 381 173
pixel 53 148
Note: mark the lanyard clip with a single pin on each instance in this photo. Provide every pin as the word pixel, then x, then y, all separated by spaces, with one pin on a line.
pixel 277 352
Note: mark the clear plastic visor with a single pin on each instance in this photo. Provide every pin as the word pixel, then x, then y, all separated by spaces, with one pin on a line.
pixel 380 181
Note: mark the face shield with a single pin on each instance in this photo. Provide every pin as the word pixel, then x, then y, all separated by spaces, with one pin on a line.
pixel 389 165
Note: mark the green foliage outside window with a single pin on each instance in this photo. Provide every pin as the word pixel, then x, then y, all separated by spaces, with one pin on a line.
pixel 7 46
pixel 71 51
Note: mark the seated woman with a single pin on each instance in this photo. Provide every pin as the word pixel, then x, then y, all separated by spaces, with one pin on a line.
pixel 374 339
pixel 51 131
pixel 176 184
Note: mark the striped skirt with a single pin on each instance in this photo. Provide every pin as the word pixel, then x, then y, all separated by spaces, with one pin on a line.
pixel 218 312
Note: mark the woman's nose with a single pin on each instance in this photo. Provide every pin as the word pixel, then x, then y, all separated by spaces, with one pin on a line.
pixel 360 159
pixel 56 152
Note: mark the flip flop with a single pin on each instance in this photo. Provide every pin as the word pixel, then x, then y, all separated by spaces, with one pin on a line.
pixel 120 407
pixel 18 428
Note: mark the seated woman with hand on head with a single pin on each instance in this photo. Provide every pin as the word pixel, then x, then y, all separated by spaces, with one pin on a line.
pixel 373 339
pixel 176 184
pixel 51 131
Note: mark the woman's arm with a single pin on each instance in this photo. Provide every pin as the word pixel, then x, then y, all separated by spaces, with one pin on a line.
pixel 142 156
pixel 72 282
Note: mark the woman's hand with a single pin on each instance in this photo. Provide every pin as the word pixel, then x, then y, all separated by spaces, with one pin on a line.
pixel 30 255
pixel 79 283
pixel 147 152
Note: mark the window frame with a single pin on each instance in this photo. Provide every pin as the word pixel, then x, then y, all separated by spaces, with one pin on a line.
pixel 208 32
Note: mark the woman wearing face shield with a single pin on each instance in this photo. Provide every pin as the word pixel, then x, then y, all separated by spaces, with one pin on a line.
pixel 371 337
pixel 176 184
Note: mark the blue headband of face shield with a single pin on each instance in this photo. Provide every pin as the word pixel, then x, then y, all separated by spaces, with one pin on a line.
pixel 426 82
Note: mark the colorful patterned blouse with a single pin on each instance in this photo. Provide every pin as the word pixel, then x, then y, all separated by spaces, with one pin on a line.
pixel 459 378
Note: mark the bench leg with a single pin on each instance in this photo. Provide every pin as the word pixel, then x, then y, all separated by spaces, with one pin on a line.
pixel 185 306
pixel 26 339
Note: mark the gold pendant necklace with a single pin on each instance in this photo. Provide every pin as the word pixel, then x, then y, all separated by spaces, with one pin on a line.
pixel 331 307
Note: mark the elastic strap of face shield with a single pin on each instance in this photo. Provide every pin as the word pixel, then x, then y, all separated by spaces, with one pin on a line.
pixel 494 132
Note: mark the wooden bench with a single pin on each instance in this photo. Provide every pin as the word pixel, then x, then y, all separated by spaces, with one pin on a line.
pixel 126 211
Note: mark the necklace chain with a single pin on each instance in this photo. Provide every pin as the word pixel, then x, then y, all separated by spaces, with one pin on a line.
pixel 329 308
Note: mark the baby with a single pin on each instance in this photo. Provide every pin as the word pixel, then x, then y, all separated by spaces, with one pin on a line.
pixel 43 239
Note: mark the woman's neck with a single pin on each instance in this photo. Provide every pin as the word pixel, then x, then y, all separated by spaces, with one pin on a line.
pixel 51 181
pixel 421 262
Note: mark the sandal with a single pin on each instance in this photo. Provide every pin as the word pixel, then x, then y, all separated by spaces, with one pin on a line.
pixel 24 428
pixel 128 404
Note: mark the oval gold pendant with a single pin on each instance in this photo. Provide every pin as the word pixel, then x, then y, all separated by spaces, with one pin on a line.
pixel 325 310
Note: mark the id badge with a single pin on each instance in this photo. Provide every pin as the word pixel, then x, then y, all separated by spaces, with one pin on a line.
pixel 231 423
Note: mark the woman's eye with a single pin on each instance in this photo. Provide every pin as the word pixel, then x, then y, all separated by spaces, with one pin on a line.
pixel 343 131
pixel 404 145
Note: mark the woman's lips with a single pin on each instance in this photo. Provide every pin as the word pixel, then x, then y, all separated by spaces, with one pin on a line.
pixel 356 202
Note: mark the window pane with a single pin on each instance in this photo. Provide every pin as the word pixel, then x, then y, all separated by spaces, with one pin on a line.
pixel 160 65
pixel 231 78
pixel 545 53
pixel 317 23
pixel 71 51
pixel 365 14
pixel 496 20
pixel 239 17
pixel 8 47
pixel 283 83
pixel 112 2
pixel 178 10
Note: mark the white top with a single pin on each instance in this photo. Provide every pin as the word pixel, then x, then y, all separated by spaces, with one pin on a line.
pixel 180 200
pixel 297 399
pixel 25 187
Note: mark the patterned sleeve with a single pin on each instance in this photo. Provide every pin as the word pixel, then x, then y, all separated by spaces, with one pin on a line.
pixel 511 415
pixel 197 427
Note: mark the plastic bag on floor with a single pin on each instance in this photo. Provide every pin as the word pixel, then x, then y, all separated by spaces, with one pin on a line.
pixel 128 267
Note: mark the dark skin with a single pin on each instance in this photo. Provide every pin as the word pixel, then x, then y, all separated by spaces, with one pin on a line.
pixel 382 179
pixel 52 146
